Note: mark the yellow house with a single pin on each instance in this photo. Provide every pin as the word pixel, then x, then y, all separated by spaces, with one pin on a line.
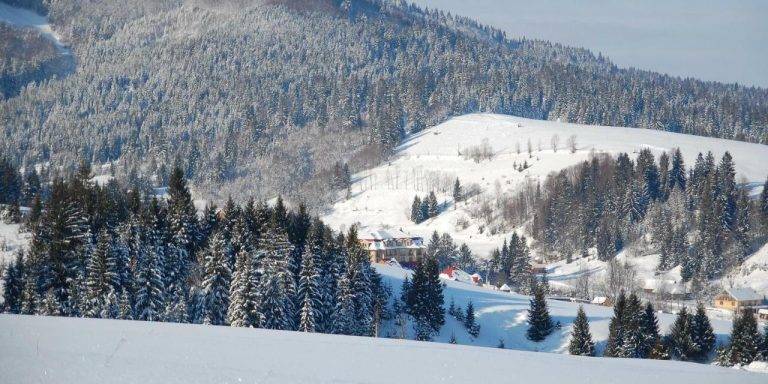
pixel 386 245
pixel 736 299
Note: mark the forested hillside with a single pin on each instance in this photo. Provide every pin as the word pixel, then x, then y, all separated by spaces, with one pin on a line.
pixel 267 97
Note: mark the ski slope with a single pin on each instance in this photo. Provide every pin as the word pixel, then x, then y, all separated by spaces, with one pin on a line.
pixel 430 160
pixel 68 350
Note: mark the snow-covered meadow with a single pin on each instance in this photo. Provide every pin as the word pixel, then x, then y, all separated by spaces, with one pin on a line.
pixel 502 317
pixel 70 350
pixel 435 157
pixel 21 17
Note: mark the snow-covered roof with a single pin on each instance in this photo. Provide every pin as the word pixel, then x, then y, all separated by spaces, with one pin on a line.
pixel 762 311
pixel 743 294
pixel 386 234
pixel 505 288
pixel 599 300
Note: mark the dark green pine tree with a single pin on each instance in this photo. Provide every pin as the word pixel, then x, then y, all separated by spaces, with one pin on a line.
pixel 539 323
pixel 616 328
pixel 416 210
pixel 424 299
pixel 632 328
pixel 470 323
pixel 457 192
pixel 680 340
pixel 581 343
pixel 13 284
pixel 702 334
pixel 649 329
pixel 745 339
pixel 433 207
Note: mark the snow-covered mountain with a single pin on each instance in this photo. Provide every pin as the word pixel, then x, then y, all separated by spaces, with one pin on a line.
pixel 55 350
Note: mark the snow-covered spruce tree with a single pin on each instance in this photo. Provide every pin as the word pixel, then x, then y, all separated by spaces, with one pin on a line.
pixel 13 284
pixel 216 281
pixel 244 292
pixel 182 218
pixel 702 335
pixel 309 292
pixel 457 192
pixel 745 339
pixel 616 327
pixel 651 346
pixel 539 323
pixel 277 287
pixel 680 340
pixel 102 278
pixel 150 290
pixel 632 328
pixel 581 339
pixel 425 298
pixel 763 206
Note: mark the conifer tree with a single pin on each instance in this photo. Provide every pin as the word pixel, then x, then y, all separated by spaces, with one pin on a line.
pixel 457 192
pixel 150 290
pixel 539 323
pixel 469 320
pixel 243 293
pixel 581 339
pixel 13 284
pixel 102 278
pixel 616 327
pixel 702 334
pixel 216 281
pixel 416 216
pixel 649 329
pixel 745 339
pixel 680 340
pixel 182 216
pixel 277 286
pixel 309 292
pixel 632 346
pixel 434 208
pixel 425 298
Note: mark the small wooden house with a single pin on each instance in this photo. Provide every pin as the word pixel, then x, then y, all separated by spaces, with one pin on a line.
pixel 737 299
pixel 762 314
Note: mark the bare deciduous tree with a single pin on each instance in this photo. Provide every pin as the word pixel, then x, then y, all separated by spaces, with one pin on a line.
pixel 572 143
pixel 555 142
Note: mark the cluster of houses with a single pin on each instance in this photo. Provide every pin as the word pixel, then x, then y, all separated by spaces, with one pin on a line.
pixel 401 248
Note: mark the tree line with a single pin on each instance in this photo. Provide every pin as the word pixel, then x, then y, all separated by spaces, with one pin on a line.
pixel 112 252
pixel 698 218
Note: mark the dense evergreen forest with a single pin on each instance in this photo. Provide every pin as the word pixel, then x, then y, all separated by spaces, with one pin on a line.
pixel 700 218
pixel 115 252
pixel 268 97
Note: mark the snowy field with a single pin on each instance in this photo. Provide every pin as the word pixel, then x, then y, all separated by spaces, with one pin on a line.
pixel 21 17
pixel 430 160
pixel 502 316
pixel 67 350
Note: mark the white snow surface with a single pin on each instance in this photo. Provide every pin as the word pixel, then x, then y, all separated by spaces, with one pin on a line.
pixel 429 160
pixel 70 350
pixel 503 316
pixel 21 17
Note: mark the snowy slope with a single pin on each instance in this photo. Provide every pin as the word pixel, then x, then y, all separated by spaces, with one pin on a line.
pixel 67 350
pixel 21 17
pixel 430 160
pixel 502 316
pixel 11 241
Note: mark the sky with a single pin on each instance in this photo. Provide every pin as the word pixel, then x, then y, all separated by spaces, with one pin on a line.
pixel 718 40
